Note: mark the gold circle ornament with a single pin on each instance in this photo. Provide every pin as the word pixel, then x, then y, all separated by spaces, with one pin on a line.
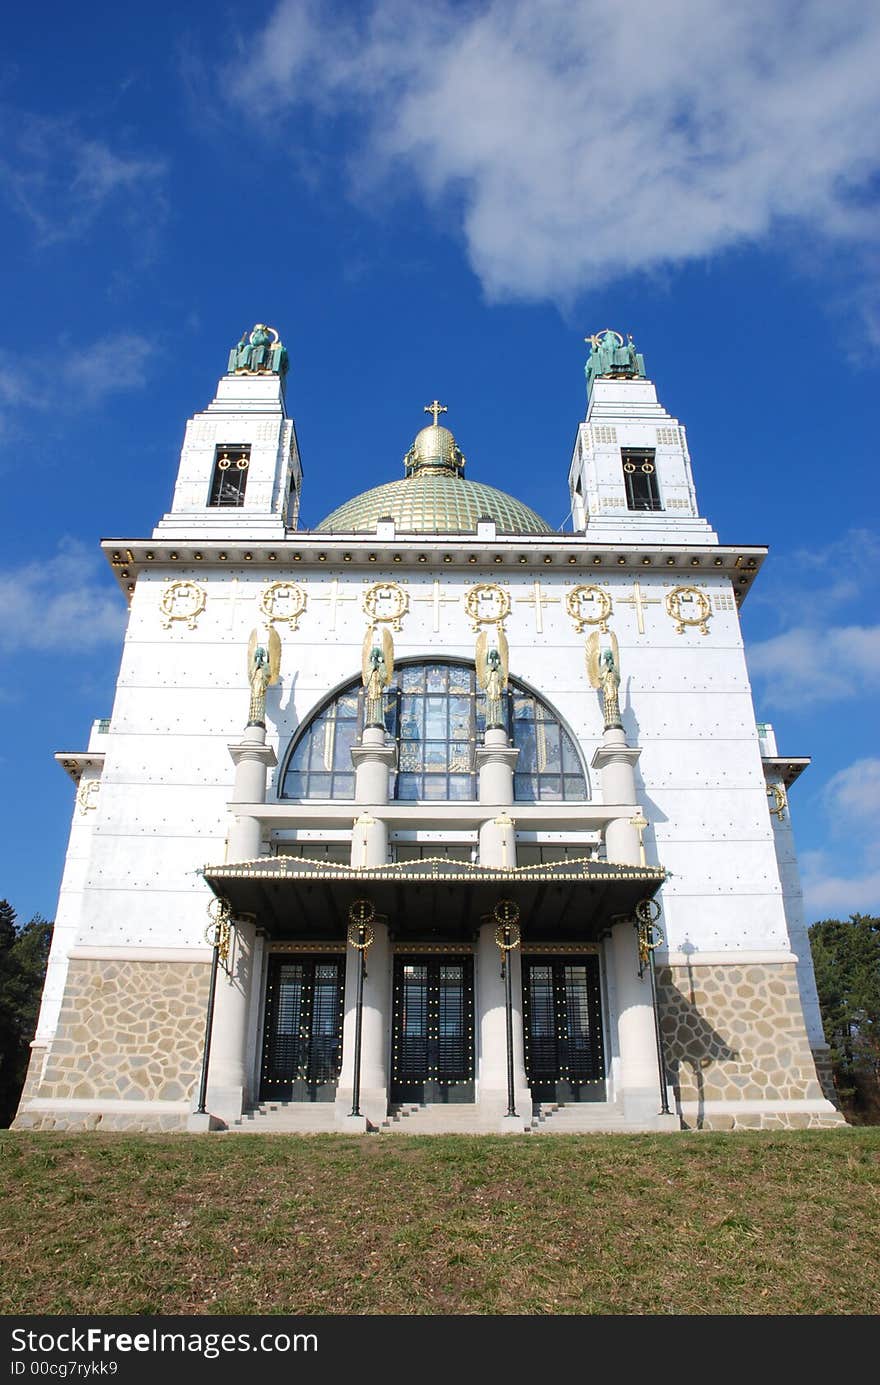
pixel 387 602
pixel 688 606
pixel 360 935
pixel 507 936
pixel 283 601
pixel 487 604
pixel 182 601
pixel 647 911
pixel 576 600
pixel 596 338
pixel 506 913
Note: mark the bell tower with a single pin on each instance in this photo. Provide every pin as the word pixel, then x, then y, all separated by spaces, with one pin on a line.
pixel 240 474
pixel 630 478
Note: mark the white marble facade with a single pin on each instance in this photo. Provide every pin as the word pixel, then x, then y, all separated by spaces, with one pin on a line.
pixel 163 777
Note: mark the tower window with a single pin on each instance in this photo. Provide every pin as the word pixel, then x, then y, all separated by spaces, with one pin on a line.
pixel 230 474
pixel 640 478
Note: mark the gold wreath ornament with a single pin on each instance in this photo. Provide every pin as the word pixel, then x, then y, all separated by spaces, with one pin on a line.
pixel 508 936
pixel 354 936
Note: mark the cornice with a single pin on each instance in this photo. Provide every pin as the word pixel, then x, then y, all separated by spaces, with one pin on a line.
pixel 574 555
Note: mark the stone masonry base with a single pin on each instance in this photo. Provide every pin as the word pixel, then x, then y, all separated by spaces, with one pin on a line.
pixel 737 1050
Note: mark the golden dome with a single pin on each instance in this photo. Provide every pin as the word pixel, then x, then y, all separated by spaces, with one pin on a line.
pixel 434 446
pixel 434 497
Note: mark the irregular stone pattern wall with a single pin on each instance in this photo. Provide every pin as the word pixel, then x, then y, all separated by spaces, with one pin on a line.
pixel 737 1033
pixel 127 1029
pixel 825 1072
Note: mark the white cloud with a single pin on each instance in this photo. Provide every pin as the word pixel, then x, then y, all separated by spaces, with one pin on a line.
pixel 852 797
pixel 65 603
pixel 832 893
pixel 116 362
pixel 62 181
pixel 575 143
pixel 84 377
pixel 814 664
pixel 846 879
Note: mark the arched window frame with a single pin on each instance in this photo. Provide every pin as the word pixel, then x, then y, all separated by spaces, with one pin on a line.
pixel 352 687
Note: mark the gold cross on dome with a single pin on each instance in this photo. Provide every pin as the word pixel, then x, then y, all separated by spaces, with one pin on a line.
pixel 435 408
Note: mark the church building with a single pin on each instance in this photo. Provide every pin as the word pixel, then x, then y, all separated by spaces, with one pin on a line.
pixel 432 817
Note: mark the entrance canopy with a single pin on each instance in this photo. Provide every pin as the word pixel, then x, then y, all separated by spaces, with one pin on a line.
pixel 435 899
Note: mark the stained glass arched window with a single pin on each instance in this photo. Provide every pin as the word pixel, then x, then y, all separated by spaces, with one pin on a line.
pixel 437 717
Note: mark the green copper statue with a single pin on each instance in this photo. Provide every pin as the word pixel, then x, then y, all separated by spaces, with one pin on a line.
pixel 260 352
pixel 611 356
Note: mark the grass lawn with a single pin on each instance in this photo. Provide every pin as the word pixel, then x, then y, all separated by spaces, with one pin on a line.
pixel 697 1223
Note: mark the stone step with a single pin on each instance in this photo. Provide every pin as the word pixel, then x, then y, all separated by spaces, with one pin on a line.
pixel 294 1117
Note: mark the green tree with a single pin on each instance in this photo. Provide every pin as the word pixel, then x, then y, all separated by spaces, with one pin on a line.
pixel 846 960
pixel 24 952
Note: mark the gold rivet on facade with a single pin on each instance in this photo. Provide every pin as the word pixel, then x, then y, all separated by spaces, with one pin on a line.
pixel 670 562
pixel 371 558
pixel 422 558
pixel 173 557
pixel 621 562
pixel 149 556
pixel 222 557
pixel 322 557
pixel 297 557
pixel 472 559
pixel 248 557
pixel 695 562
pixel 197 557
pixel 346 557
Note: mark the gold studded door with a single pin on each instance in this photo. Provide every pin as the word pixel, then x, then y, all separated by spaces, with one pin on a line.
pixel 432 1057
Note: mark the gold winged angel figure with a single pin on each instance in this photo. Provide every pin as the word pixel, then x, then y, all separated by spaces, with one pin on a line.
pixel 377 667
pixel 264 666
pixel 603 670
pixel 492 663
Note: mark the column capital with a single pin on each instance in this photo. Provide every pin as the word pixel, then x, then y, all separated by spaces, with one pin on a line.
pixel 250 751
pixel 496 755
pixel 374 754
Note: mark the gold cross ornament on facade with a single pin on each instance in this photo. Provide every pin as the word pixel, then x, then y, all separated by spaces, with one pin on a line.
pixel 436 408
pixel 539 600
pixel 639 601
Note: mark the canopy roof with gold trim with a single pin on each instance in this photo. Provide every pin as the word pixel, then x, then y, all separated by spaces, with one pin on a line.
pixel 293 897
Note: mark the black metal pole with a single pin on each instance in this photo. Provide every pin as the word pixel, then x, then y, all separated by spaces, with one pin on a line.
pixel 508 1005
pixel 358 1023
pixel 664 1099
pixel 209 1025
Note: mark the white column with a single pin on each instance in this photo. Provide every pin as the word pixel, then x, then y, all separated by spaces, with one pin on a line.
pixel 375 1032
pixel 228 1077
pixel 496 760
pixel 373 761
pixel 638 1084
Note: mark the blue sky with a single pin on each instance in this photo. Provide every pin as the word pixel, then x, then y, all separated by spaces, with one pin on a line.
pixel 445 202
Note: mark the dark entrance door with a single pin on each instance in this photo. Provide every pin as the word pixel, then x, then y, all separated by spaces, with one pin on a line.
pixel 302 1034
pixel 562 1020
pixel 432 1048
